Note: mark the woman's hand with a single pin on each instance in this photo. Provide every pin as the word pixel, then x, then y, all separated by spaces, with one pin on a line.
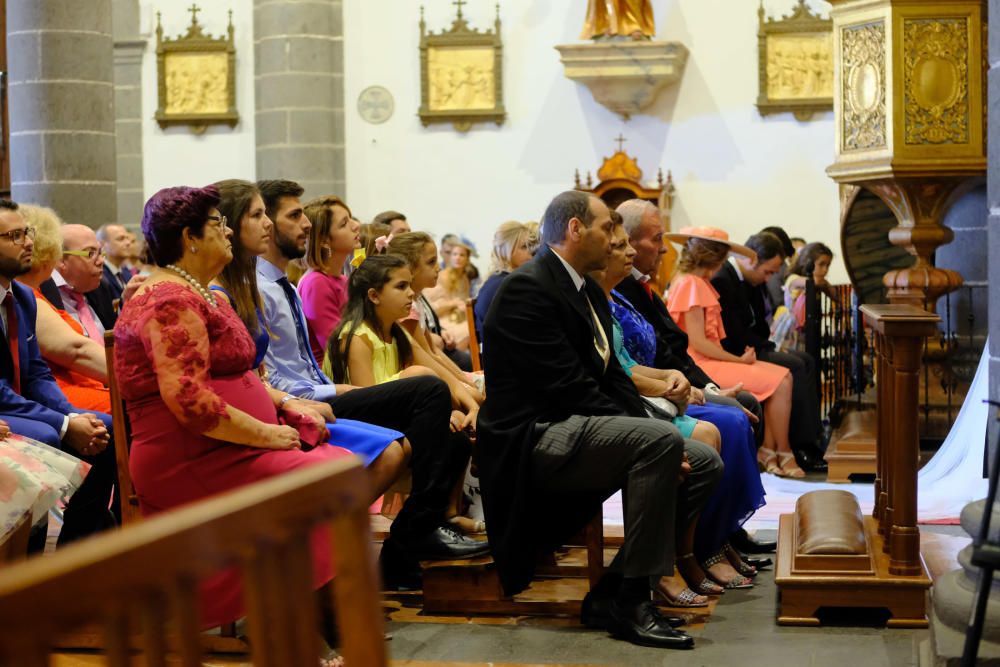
pixel 4 429
pixel 280 437
pixel 697 397
pixel 318 409
pixel 749 356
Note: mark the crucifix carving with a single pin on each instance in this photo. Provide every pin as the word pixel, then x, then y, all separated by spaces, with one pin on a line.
pixel 459 3
pixel 194 9
pixel 621 140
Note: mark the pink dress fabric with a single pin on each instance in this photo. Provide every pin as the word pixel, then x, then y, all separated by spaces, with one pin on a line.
pixel 180 363
pixel 688 291
pixel 323 300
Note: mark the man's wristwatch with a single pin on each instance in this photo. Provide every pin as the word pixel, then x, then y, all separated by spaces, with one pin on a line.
pixel 285 399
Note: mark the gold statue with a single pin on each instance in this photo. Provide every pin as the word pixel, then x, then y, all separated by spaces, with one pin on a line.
pixel 626 18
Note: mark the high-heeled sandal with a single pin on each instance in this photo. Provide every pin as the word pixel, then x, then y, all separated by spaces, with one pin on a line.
pixel 736 560
pixel 737 582
pixel 686 598
pixel 794 473
pixel 704 587
pixel 770 461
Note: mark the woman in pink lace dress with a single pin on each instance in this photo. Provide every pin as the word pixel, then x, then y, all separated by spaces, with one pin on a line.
pixel 202 420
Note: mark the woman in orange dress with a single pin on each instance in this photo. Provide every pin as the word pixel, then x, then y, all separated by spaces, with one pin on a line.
pixel 694 305
pixel 78 363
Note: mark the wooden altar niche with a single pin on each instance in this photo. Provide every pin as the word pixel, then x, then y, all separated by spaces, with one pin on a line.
pixel 620 179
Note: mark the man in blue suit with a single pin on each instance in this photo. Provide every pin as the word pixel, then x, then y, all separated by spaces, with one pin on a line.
pixel 31 401
pixel 116 243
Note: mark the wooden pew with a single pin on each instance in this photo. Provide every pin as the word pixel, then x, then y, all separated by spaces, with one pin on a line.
pixel 129 502
pixel 150 572
pixel 470 318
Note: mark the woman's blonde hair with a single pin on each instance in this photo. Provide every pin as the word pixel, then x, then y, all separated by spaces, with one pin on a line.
pixel 320 214
pixel 700 253
pixel 505 240
pixel 409 246
pixel 48 237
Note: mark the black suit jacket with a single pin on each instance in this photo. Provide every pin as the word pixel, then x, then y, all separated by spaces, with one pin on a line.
pixel 743 314
pixel 110 281
pixel 100 299
pixel 671 341
pixel 542 368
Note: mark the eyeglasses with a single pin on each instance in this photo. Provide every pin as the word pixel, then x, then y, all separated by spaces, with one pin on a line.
pixel 221 219
pixel 17 236
pixel 90 254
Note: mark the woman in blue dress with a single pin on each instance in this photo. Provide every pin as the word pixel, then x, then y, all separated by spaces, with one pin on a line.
pixel 381 449
pixel 739 494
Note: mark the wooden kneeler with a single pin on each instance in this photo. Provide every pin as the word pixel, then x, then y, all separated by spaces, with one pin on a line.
pixel 473 586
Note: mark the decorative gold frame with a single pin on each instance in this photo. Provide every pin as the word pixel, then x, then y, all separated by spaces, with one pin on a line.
pixel 474 55
pixel 202 62
pixel 805 32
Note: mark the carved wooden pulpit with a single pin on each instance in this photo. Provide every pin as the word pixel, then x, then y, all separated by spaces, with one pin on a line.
pixel 620 179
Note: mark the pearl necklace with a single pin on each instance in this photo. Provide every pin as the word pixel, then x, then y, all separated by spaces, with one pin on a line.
pixel 194 283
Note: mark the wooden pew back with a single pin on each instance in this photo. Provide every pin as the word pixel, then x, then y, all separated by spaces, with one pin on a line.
pixel 129 501
pixel 151 572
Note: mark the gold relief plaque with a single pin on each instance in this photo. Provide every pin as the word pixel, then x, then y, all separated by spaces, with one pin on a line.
pixel 795 63
pixel 461 73
pixel 935 81
pixel 196 77
pixel 863 81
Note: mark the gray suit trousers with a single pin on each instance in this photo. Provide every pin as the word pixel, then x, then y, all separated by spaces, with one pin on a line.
pixel 601 455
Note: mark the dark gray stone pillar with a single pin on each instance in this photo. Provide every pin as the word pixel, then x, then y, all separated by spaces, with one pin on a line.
pixel 128 49
pixel 299 83
pixel 62 125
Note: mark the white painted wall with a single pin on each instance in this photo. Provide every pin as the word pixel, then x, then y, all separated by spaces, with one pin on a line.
pixel 732 168
pixel 176 156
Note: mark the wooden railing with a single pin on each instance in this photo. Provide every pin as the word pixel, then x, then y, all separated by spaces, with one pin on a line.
pixel 146 577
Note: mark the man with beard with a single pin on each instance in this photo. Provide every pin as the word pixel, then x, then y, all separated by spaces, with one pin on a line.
pixel 419 407
pixel 31 401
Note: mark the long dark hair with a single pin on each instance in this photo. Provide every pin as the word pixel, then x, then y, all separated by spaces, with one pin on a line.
pixel 806 261
pixel 372 274
pixel 239 277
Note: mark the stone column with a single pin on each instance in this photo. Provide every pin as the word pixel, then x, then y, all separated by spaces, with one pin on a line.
pixel 129 46
pixel 62 127
pixel 299 86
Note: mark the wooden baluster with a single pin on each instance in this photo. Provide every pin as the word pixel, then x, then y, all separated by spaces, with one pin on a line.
pixel 116 639
pixel 300 600
pixel 187 618
pixel 154 630
pixel 904 538
pixel 893 414
pixel 359 614
pixel 268 623
pixel 881 419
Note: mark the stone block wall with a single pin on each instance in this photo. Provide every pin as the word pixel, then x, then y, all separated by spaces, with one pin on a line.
pixel 299 93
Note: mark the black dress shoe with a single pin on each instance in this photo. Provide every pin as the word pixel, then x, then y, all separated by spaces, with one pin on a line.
pixel 742 542
pixel 810 459
pixel 595 613
pixel 758 563
pixel 445 543
pixel 643 624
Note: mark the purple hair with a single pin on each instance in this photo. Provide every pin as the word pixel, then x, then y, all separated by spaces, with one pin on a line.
pixel 169 212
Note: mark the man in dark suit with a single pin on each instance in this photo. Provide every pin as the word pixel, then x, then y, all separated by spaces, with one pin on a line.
pixel 741 287
pixel 116 244
pixel 76 286
pixel 563 428
pixel 645 229
pixel 30 400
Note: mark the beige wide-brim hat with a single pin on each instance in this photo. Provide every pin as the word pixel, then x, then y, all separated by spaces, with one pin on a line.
pixel 710 234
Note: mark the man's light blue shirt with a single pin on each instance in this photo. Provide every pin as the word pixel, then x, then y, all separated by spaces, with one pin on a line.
pixel 289 365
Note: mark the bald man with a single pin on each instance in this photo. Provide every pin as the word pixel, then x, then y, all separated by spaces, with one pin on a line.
pixel 75 285
pixel 116 243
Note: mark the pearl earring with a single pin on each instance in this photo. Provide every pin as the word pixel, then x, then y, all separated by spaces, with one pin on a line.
pixel 194 249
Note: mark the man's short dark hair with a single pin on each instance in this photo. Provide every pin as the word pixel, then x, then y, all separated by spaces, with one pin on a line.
pixel 767 246
pixel 273 190
pixel 385 217
pixel 782 235
pixel 8 205
pixel 566 206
